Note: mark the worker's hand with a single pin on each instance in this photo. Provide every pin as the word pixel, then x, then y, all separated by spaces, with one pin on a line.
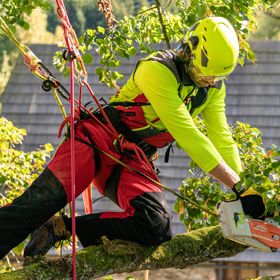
pixel 252 202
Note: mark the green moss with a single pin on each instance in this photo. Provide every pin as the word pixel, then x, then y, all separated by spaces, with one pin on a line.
pixel 122 256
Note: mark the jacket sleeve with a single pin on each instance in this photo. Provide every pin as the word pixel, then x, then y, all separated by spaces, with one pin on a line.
pixel 218 130
pixel 161 89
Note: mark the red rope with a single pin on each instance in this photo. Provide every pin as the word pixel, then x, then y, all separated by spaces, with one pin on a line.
pixel 73 168
pixel 73 48
pixel 115 133
pixel 66 27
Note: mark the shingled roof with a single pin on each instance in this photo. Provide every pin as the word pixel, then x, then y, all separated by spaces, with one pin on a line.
pixel 253 97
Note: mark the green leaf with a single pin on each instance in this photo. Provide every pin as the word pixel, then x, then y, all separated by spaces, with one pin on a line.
pixel 91 32
pixel 88 58
pixel 101 29
pixel 132 51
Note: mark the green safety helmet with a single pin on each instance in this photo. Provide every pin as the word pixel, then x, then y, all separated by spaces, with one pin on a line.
pixel 214 46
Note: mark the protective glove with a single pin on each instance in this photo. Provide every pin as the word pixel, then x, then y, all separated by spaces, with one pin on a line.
pixel 252 202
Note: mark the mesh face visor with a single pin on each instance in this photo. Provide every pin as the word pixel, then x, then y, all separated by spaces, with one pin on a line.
pixel 199 76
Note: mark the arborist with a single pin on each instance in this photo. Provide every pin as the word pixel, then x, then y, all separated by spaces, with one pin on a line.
pixel 155 107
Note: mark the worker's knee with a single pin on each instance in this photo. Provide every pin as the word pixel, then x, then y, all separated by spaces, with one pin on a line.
pixel 152 218
pixel 157 228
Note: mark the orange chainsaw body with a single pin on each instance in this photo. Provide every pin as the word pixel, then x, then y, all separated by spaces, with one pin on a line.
pixel 266 233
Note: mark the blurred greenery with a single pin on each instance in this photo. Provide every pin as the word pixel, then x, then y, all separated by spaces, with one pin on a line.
pixel 268 24
pixel 84 14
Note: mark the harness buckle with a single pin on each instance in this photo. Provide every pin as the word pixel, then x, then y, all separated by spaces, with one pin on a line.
pixel 117 144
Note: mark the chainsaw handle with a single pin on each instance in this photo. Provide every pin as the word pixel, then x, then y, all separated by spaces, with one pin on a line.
pixel 236 192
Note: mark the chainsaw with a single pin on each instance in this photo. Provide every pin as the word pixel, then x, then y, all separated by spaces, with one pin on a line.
pixel 263 235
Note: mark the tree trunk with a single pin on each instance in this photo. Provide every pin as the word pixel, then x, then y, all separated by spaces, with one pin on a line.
pixel 120 256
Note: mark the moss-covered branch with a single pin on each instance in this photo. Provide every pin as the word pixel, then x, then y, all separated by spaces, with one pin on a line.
pixel 121 256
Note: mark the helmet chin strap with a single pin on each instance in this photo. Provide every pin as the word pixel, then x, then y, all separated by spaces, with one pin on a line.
pixel 184 53
pixel 183 50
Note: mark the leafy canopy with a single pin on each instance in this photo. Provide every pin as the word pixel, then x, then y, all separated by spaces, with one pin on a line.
pixel 17 168
pixel 14 11
pixel 144 30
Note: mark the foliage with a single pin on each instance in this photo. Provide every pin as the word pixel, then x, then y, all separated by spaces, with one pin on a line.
pixel 84 14
pixel 37 33
pixel 14 11
pixel 16 15
pixel 261 171
pixel 268 24
pixel 17 168
pixel 144 30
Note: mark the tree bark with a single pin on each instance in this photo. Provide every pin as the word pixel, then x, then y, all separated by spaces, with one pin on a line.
pixel 120 256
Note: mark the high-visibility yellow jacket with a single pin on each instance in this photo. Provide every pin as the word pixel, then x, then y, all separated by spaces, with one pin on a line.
pixel 171 95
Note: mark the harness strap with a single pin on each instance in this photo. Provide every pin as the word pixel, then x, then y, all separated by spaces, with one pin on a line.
pixel 111 188
pixel 167 152
pixel 131 136
pixel 128 103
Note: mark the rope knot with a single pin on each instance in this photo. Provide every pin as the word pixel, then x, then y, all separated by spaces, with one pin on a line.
pixel 67 121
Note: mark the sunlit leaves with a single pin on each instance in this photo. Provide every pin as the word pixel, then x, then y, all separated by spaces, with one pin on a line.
pixel 261 171
pixel 14 11
pixel 17 168
pixel 144 31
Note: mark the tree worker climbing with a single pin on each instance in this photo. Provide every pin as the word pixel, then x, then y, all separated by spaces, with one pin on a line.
pixel 156 106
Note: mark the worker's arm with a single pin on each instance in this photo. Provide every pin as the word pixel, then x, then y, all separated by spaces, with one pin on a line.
pixel 218 130
pixel 225 174
pixel 161 89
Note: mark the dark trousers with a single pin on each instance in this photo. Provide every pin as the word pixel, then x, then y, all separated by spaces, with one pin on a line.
pixel 34 207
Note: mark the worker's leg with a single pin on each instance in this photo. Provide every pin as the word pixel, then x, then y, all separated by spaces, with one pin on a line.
pixel 47 195
pixel 146 219
pixel 148 223
pixel 36 205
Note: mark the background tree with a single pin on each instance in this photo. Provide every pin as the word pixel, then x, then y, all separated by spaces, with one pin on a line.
pixel 268 24
pixel 17 168
pixel 14 12
pixel 34 31
pixel 84 14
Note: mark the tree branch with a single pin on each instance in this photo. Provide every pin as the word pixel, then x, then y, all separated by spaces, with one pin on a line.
pixel 269 13
pixel 122 256
pixel 162 24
